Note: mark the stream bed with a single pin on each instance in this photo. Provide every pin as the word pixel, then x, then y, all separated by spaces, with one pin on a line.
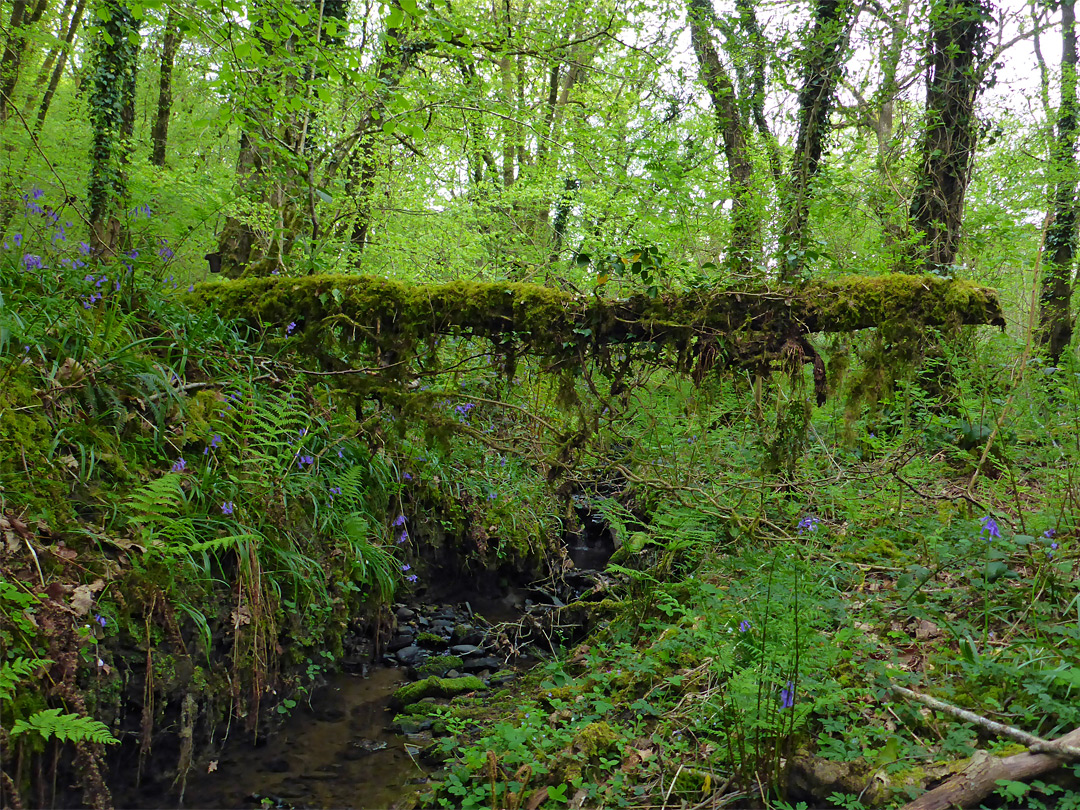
pixel 335 752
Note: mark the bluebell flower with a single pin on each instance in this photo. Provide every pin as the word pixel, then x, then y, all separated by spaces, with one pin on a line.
pixel 989 525
pixel 787 696
pixel 744 626
pixel 399 521
pixel 412 577
pixel 227 508
pixel 179 465
pixel 808 524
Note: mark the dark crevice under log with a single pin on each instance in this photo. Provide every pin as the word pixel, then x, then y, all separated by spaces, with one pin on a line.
pixel 738 327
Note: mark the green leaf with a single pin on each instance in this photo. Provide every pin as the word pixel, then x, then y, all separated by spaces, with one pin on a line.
pixel 242 50
pixel 395 18
pixel 410 7
pixel 323 195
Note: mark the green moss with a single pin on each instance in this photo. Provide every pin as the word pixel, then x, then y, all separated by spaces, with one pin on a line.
pixel 437 687
pixel 430 640
pixel 439 665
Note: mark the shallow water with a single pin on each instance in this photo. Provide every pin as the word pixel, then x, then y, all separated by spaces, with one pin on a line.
pixel 321 757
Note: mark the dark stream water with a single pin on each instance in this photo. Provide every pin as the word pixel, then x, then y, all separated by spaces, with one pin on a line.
pixel 334 753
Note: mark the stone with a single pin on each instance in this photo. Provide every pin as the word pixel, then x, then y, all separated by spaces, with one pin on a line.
pixel 466 650
pixel 477 664
pixel 411 655
pixel 399 641
pixel 405 614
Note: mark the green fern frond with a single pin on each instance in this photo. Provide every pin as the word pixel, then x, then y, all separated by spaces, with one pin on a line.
pixel 51 723
pixel 161 498
pixel 14 671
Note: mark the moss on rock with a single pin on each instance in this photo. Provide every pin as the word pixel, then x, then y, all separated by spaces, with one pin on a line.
pixel 437 687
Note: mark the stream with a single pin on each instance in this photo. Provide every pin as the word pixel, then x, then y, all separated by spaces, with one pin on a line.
pixel 338 748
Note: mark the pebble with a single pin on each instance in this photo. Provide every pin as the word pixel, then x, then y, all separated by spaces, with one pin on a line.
pixel 405 614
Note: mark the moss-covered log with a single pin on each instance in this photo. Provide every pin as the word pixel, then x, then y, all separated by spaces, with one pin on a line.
pixel 746 324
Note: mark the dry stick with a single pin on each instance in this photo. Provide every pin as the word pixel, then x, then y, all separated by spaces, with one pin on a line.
pixel 1036 744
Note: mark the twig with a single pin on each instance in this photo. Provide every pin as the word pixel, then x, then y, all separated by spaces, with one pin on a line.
pixel 1035 744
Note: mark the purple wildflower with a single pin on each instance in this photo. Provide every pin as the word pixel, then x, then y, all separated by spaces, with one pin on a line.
pixel 17 239
pixel 744 626
pixel 787 696
pixel 31 261
pixel 227 508
pixel 403 537
pixel 290 327
pixel 100 619
pixel 399 521
pixel 989 525
pixel 412 577
pixel 179 465
pixel 808 524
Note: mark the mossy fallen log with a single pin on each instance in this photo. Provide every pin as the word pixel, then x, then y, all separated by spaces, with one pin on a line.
pixel 743 326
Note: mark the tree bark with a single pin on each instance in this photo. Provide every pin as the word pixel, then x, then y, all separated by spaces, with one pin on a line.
pixel 171 44
pixel 1055 317
pixel 957 49
pixel 745 229
pixel 979 779
pixel 58 68
pixel 15 50
pixel 822 66
pixel 46 67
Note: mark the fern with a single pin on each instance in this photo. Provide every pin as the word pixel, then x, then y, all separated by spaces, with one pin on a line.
pixel 11 673
pixel 159 500
pixel 51 723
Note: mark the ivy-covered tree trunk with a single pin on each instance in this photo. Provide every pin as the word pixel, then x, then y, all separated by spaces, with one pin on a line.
pixel 957 49
pixel 169 47
pixel 822 65
pixel 745 228
pixel 112 115
pixel 1055 318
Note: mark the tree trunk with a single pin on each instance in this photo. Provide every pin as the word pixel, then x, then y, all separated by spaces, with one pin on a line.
pixel 160 132
pixel 958 46
pixel 822 66
pixel 745 231
pixel 15 50
pixel 58 68
pixel 112 117
pixel 1055 318
pixel 50 59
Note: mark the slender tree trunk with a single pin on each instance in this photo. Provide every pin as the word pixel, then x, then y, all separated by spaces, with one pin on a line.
pixel 160 132
pixel 15 49
pixel 822 66
pixel 752 33
pixel 745 230
pixel 958 45
pixel 1055 318
pixel 58 68
pixel 50 59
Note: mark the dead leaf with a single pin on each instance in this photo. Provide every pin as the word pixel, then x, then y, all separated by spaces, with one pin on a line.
pixel 82 600
pixel 537 798
pixel 927 630
pixel 64 553
pixel 211 766
pixel 241 617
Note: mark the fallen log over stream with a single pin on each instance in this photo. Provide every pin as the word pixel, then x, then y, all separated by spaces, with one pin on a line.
pixel 732 327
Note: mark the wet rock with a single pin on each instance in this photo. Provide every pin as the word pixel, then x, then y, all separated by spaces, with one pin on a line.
pixel 466 650
pixel 406 725
pixel 358 749
pixel 445 626
pixel 279 765
pixel 453 674
pixel 478 664
pixel 423 621
pixel 500 678
pixel 405 614
pixel 409 656
pixel 399 641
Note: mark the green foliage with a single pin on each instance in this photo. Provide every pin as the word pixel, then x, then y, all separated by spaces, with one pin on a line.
pixel 50 723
